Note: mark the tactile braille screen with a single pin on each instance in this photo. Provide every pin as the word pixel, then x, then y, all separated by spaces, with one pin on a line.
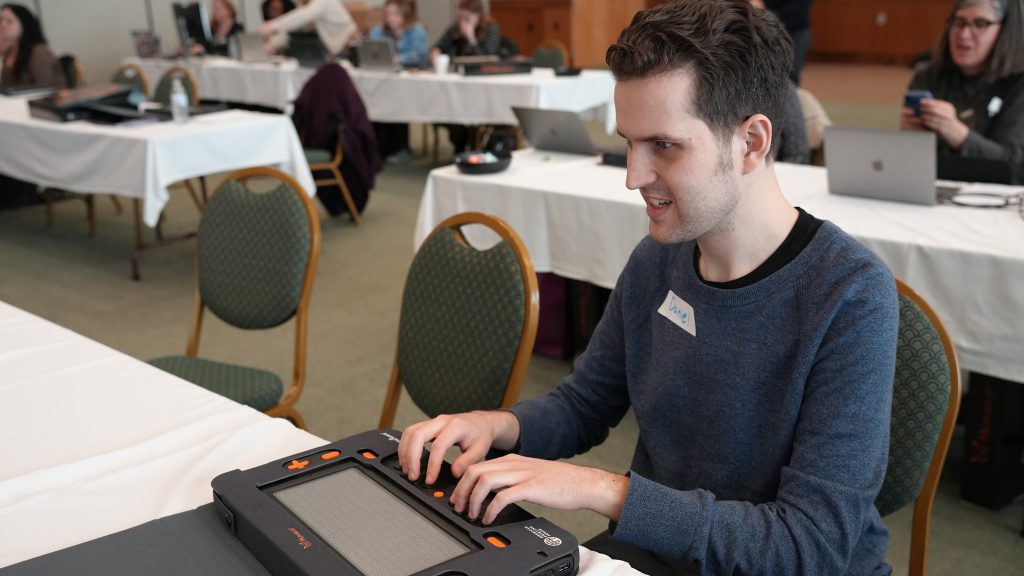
pixel 372 528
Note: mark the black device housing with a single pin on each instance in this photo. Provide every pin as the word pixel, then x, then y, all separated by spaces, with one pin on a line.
pixel 285 544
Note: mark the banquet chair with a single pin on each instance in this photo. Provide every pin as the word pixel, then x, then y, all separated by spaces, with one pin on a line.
pixel 162 93
pixel 467 323
pixel 551 53
pixel 325 161
pixel 256 256
pixel 925 401
pixel 131 75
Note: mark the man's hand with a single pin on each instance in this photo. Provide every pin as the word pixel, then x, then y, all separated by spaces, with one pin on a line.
pixel 940 117
pixel 473 432
pixel 267 29
pixel 516 478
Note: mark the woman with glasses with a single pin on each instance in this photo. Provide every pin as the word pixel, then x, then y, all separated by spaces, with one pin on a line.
pixel 977 79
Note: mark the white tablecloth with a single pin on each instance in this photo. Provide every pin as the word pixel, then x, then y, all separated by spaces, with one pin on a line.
pixel 142 161
pixel 405 96
pixel 94 442
pixel 578 220
pixel 274 84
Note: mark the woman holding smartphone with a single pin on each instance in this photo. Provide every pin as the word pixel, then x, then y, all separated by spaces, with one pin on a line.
pixel 976 78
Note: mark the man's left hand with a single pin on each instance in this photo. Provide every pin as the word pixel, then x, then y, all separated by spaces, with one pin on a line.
pixel 515 478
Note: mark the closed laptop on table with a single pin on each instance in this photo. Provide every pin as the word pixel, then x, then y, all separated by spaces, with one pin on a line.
pixel 893 165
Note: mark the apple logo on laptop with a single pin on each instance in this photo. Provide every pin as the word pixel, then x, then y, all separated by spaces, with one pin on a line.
pixel 877 165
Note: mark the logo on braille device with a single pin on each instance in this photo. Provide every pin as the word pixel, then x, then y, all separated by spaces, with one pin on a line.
pixel 302 539
pixel 390 437
pixel 542 533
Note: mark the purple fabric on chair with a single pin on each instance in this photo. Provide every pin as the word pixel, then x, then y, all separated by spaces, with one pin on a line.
pixel 552 333
pixel 328 105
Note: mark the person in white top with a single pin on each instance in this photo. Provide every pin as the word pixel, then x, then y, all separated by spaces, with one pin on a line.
pixel 333 23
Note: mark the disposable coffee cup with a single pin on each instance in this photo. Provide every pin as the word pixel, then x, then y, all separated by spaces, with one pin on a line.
pixel 441 62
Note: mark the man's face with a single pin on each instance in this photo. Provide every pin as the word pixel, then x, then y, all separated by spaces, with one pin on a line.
pixel 683 171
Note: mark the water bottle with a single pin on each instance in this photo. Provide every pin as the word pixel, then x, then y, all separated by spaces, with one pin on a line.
pixel 179 102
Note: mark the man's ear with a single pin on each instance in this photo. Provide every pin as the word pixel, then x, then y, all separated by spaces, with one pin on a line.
pixel 756 133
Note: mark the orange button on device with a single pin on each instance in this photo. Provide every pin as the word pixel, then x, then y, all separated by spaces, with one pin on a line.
pixel 369 455
pixel 330 455
pixel 439 494
pixel 497 541
pixel 297 464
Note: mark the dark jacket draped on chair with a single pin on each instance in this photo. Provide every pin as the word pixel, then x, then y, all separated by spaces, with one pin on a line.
pixel 329 105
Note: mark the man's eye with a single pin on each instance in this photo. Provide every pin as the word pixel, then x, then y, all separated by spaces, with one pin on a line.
pixel 664 145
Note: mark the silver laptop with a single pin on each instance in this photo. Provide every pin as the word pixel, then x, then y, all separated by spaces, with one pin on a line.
pixel 555 130
pixel 251 48
pixel 378 55
pixel 893 165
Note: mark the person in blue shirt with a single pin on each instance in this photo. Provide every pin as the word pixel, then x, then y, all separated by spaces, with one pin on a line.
pixel 413 49
pixel 409 36
pixel 754 343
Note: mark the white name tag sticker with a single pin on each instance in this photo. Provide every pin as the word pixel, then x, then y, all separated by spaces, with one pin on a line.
pixel 679 313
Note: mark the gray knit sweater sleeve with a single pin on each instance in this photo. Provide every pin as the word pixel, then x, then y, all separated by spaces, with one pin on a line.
pixel 763 435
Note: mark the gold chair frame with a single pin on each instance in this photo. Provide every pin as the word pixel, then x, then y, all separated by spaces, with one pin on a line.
pixel 926 497
pixel 285 407
pixel 334 167
pixel 531 312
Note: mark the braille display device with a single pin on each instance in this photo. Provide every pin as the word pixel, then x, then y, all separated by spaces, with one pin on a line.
pixel 346 508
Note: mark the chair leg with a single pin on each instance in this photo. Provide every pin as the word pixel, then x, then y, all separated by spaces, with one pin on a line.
pixel 195 197
pixel 48 200
pixel 117 204
pixel 346 195
pixel 437 139
pixel 90 214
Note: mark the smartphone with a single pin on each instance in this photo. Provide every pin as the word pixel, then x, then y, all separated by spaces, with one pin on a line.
pixel 912 99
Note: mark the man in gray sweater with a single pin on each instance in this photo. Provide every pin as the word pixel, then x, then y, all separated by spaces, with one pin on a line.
pixel 755 343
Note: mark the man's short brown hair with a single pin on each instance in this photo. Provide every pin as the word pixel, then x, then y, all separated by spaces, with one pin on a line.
pixel 740 58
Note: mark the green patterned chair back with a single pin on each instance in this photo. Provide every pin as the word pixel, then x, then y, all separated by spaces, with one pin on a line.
pixel 133 77
pixel 921 392
pixel 464 316
pixel 253 253
pixel 162 94
pixel 550 56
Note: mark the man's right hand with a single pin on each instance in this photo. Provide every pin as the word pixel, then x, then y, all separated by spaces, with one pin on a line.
pixel 473 432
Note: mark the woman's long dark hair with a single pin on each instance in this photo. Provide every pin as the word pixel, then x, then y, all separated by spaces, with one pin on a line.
pixel 31 34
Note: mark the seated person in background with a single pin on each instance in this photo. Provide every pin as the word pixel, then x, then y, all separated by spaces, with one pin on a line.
pixel 793 138
pixel 27 60
pixel 274 8
pixel 223 25
pixel 755 343
pixel 333 24
pixel 472 34
pixel 977 78
pixel 412 46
